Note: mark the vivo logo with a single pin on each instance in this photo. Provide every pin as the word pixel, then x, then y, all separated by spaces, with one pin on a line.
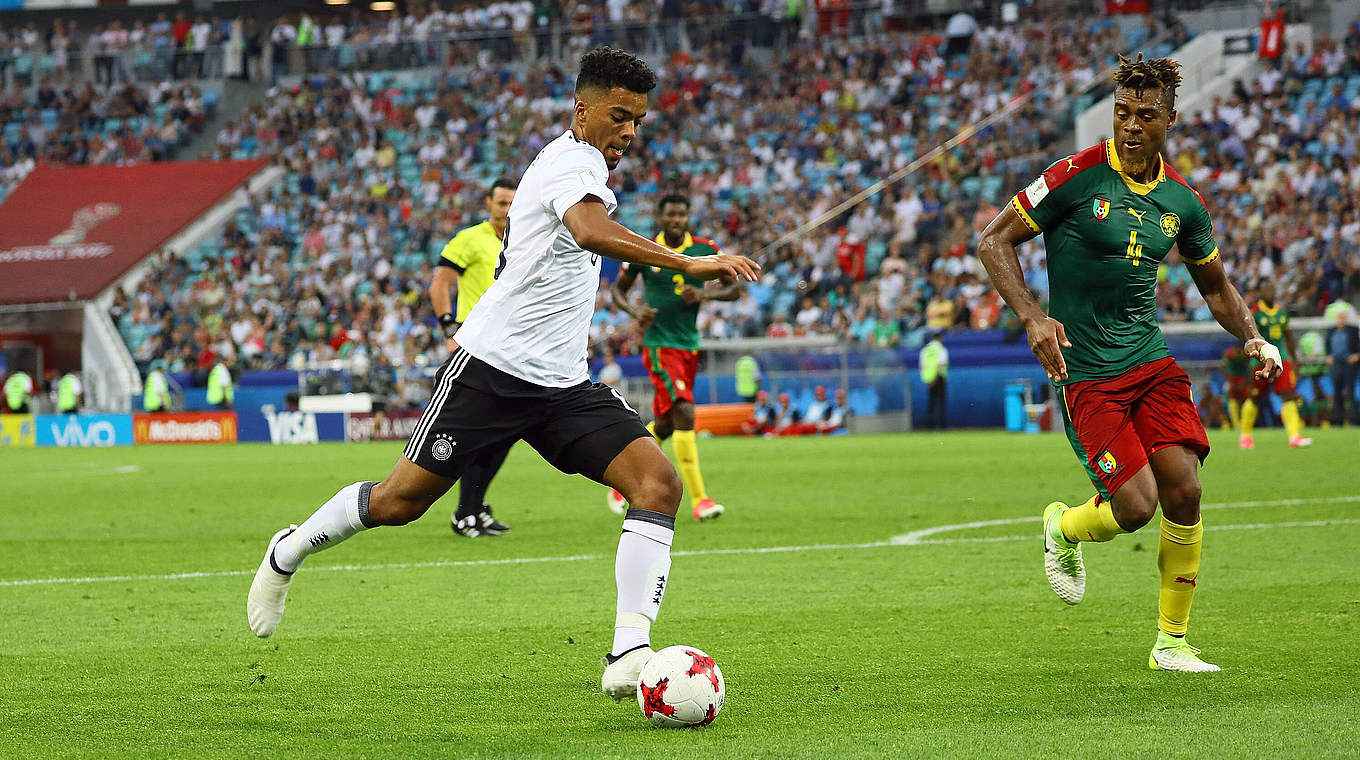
pixel 99 433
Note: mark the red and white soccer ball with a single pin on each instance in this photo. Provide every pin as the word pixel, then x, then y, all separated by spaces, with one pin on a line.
pixel 681 687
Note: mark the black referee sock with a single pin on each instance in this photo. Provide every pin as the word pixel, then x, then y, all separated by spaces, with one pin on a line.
pixel 476 479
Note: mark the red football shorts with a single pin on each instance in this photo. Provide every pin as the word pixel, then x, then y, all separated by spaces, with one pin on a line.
pixel 1113 424
pixel 1283 385
pixel 672 371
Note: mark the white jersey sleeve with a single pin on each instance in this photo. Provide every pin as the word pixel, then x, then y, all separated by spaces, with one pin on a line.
pixel 566 189
pixel 534 320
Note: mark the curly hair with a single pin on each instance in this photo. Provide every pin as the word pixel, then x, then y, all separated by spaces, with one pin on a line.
pixel 1154 73
pixel 608 67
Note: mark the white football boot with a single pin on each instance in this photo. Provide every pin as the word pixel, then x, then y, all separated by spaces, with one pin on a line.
pixel 621 673
pixel 269 591
pixel 1062 559
pixel 1174 653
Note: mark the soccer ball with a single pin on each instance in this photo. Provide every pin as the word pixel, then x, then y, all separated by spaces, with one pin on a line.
pixel 681 687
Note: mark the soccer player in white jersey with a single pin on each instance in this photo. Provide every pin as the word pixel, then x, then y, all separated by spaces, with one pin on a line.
pixel 519 372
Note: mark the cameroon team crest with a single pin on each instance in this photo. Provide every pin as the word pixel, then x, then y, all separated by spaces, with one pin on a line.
pixel 1108 464
pixel 1171 224
pixel 1101 208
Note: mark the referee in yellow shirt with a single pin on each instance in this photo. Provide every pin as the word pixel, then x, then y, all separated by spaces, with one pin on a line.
pixel 469 262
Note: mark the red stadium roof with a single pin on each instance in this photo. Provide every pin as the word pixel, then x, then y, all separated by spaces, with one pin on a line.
pixel 67 233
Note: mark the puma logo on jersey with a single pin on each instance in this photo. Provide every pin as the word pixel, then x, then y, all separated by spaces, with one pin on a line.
pixel 1138 215
pixel 1071 163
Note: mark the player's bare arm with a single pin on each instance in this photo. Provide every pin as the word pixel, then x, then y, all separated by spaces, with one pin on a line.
pixel 444 278
pixel 1232 313
pixel 713 291
pixel 641 312
pixel 589 223
pixel 996 250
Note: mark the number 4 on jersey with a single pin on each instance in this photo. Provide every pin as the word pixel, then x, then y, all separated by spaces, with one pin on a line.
pixel 1135 249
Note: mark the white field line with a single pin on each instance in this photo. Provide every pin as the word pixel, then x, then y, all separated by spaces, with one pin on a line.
pixel 915 538
pixel 920 536
pixel 125 469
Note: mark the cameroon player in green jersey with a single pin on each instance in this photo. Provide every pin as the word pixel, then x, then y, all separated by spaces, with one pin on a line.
pixel 469 262
pixel 1272 319
pixel 670 343
pixel 1109 215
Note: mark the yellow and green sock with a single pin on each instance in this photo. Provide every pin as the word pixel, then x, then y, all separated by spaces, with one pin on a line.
pixel 1293 423
pixel 1178 561
pixel 1248 416
pixel 687 462
pixel 1092 521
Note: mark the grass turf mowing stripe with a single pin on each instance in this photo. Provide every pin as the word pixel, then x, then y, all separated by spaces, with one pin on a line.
pixel 916 538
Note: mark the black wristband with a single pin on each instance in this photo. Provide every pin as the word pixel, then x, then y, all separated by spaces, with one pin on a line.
pixel 449 324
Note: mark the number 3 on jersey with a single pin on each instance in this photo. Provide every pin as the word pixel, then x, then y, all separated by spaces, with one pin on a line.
pixel 1135 249
pixel 679 281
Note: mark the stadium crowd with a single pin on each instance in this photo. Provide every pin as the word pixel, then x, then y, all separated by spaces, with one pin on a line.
pixel 1277 161
pixel 383 170
pixel 85 123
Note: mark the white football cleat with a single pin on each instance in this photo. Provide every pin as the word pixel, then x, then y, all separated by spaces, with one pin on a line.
pixel 1173 653
pixel 617 504
pixel 1299 442
pixel 621 674
pixel 1062 559
pixel 269 591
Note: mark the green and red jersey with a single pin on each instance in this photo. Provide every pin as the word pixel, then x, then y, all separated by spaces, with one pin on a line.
pixel 1106 234
pixel 1272 322
pixel 675 323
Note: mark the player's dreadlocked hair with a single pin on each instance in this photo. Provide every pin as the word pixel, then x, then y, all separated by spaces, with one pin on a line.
pixel 1154 73
pixel 608 67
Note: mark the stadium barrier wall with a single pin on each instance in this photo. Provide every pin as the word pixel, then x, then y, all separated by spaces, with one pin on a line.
pixel 291 427
pixel 82 430
pixel 17 430
pixel 388 426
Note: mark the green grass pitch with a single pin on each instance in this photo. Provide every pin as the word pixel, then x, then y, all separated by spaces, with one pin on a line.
pixel 412 642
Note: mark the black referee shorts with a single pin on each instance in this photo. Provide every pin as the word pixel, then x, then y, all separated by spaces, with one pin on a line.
pixel 476 407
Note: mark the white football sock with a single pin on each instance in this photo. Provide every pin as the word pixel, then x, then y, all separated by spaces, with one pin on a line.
pixel 345 514
pixel 640 572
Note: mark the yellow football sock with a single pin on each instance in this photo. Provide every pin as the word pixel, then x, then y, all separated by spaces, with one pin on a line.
pixel 1235 412
pixel 1178 561
pixel 1248 416
pixel 1092 521
pixel 1289 414
pixel 687 461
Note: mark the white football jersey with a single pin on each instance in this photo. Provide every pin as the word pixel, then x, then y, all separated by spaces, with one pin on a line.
pixel 534 320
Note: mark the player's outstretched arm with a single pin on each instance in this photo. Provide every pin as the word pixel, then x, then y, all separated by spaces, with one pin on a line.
pixel 1232 313
pixel 589 223
pixel 996 251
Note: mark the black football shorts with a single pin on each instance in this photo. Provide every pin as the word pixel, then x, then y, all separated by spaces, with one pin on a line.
pixel 476 407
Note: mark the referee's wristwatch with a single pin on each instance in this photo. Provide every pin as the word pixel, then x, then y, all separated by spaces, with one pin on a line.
pixel 448 324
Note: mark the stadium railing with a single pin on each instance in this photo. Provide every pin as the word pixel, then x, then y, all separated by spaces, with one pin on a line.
pixel 110 376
